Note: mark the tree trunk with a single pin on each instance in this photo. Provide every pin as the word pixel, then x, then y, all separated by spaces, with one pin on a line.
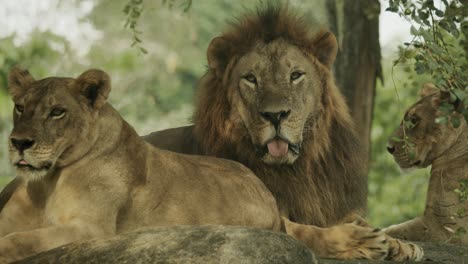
pixel 356 24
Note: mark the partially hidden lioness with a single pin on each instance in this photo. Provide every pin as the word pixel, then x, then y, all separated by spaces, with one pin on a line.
pixel 83 172
pixel 445 147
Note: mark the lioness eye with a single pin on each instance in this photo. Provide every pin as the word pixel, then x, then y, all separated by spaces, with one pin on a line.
pixel 57 113
pixel 251 78
pixel 296 75
pixel 414 119
pixel 19 109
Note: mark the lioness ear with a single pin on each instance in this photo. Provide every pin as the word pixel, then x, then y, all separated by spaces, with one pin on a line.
pixel 325 47
pixel 428 89
pixel 95 86
pixel 218 55
pixel 19 81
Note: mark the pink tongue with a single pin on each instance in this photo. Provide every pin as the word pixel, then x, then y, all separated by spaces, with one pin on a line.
pixel 23 162
pixel 278 148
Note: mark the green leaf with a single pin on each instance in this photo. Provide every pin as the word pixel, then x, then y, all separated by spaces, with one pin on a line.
pixel 455 122
pixel 443 24
pixel 465 114
pixel 441 120
pixel 439 13
pixel 423 15
pixel 446 107
pixel 420 67
pixel 419 57
pixel 460 94
pixel 460 232
pixel 464 183
pixel 414 31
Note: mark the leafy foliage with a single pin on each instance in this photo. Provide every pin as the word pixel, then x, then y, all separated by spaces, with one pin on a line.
pixel 133 10
pixel 463 191
pixel 395 196
pixel 439 48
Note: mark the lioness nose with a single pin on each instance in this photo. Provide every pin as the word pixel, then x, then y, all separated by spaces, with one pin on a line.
pixel 275 117
pixel 390 149
pixel 22 144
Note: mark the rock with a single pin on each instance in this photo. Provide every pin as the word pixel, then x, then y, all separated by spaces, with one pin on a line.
pixel 184 244
pixel 434 253
pixel 214 244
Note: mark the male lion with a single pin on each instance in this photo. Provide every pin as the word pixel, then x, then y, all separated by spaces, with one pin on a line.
pixel 443 146
pixel 83 172
pixel 270 102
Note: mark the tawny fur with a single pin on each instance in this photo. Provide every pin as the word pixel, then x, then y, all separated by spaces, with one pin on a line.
pixel 445 148
pixel 104 179
pixel 326 184
pixel 87 174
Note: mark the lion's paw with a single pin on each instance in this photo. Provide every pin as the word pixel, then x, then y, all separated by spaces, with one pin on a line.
pixel 402 251
pixel 353 241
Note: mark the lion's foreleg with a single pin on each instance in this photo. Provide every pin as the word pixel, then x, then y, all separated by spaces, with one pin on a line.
pixel 346 241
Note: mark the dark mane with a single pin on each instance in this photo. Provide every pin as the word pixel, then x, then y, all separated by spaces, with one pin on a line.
pixel 268 23
pixel 328 180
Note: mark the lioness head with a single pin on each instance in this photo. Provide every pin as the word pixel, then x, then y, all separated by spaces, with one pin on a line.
pixel 274 70
pixel 419 140
pixel 54 119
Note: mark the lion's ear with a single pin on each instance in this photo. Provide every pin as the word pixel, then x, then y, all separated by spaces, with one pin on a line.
pixel 19 81
pixel 325 47
pixel 218 55
pixel 428 89
pixel 95 86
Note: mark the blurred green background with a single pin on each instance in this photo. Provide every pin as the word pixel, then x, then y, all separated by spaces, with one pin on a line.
pixel 154 91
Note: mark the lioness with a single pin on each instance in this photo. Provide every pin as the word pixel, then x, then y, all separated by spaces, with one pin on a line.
pixel 83 172
pixel 443 146
pixel 269 101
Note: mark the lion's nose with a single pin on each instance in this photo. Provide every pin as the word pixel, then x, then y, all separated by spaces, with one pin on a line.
pixel 275 117
pixel 390 148
pixel 22 144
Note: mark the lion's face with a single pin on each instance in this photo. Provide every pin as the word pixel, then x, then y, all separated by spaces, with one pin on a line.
pixel 425 139
pixel 275 91
pixel 53 121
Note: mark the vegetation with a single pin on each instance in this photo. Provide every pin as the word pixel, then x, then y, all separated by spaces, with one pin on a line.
pixel 439 47
pixel 154 80
pixel 438 52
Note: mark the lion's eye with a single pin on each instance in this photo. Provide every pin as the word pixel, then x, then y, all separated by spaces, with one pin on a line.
pixel 414 119
pixel 57 113
pixel 19 109
pixel 296 75
pixel 251 78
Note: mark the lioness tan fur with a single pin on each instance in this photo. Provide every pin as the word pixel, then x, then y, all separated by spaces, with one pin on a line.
pixel 83 172
pixel 269 101
pixel 86 173
pixel 445 147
